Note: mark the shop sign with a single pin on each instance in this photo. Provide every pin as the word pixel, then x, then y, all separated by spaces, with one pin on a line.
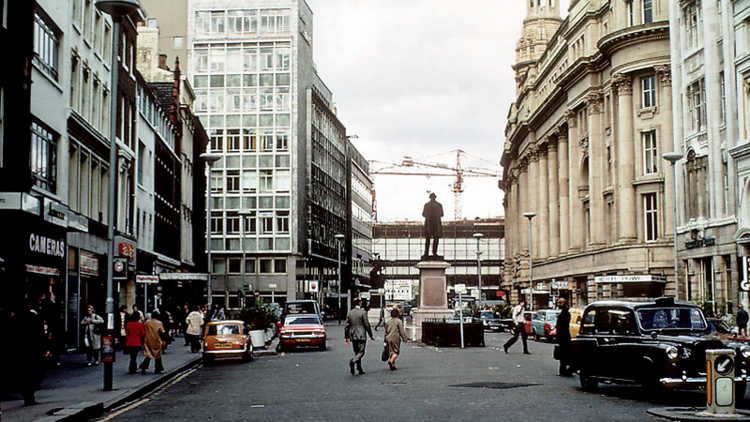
pixel 147 279
pixel 560 285
pixel 47 246
pixel 78 222
pixel 36 269
pixel 314 286
pixel 89 263
pixel 627 279
pixel 19 201
pixel 127 250
pixel 120 268
pixel 700 242
pixel 55 213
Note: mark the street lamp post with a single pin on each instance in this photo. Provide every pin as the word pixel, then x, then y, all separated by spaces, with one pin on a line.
pixel 210 158
pixel 674 157
pixel 339 237
pixel 478 236
pixel 530 215
pixel 117 9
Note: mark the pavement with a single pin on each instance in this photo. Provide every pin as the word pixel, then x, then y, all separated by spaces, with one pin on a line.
pixel 74 391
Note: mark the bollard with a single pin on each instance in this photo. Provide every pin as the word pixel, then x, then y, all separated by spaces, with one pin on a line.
pixel 720 381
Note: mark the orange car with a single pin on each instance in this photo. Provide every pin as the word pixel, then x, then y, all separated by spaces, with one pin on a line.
pixel 226 339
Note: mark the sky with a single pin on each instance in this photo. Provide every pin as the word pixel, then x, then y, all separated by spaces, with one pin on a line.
pixel 422 78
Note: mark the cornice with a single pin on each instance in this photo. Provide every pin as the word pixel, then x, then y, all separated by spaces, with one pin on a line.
pixel 617 40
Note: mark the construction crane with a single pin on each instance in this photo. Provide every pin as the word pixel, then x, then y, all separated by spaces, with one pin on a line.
pixel 458 171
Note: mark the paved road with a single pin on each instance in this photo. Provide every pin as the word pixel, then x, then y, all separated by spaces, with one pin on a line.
pixel 447 384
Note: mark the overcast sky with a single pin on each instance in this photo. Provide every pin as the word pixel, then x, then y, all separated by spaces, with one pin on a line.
pixel 422 78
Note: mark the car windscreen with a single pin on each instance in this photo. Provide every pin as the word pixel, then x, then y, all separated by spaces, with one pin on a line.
pixel 302 320
pixel 552 317
pixel 224 329
pixel 671 317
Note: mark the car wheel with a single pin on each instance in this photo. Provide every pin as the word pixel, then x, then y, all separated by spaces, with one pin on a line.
pixel 587 383
pixel 739 392
pixel 323 346
pixel 249 355
pixel 536 336
pixel 208 360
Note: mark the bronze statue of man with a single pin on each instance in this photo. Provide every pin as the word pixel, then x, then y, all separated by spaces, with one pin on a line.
pixel 433 226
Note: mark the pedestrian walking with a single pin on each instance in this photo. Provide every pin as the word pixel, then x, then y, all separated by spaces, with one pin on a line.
pixel 194 323
pixel 121 322
pixel 381 318
pixel 520 328
pixel 24 366
pixel 218 313
pixel 356 330
pixel 50 313
pixel 394 333
pixel 153 343
pixel 742 318
pixel 562 346
pixel 93 327
pixel 139 314
pixel 134 335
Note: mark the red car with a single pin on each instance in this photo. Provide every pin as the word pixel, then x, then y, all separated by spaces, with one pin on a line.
pixel 302 331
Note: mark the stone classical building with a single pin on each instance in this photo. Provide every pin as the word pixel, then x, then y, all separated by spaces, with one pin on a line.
pixel 584 140
pixel 706 133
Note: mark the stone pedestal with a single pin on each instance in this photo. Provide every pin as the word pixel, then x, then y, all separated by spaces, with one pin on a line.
pixel 433 299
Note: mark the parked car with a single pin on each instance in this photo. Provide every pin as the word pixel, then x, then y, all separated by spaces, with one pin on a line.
pixel 226 339
pixel 543 324
pixel 658 344
pixel 575 321
pixel 302 331
pixel 528 316
pixel 302 306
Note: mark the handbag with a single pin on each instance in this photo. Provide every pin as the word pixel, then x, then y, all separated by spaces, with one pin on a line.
pixel 385 355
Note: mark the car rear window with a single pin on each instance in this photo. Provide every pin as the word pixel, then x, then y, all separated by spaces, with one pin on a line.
pixel 671 317
pixel 224 329
pixel 301 320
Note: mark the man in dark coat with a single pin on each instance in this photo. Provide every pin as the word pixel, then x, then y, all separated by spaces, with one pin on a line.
pixel 742 318
pixel 357 329
pixel 562 348
pixel 28 366
pixel 433 226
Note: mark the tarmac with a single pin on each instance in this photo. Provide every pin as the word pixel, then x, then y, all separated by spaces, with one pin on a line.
pixel 74 391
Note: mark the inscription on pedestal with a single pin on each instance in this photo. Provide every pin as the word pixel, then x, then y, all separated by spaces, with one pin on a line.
pixel 434 295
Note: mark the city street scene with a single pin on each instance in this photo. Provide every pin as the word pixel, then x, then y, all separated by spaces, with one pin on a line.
pixel 335 210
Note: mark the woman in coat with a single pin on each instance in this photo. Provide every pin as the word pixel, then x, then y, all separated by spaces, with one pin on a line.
pixel 394 333
pixel 194 322
pixel 153 344
pixel 134 334
pixel 92 340
pixel 563 338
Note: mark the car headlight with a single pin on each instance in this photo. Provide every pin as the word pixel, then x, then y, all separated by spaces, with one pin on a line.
pixel 745 350
pixel 672 353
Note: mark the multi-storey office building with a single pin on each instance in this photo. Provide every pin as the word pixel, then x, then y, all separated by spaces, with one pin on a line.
pixel 279 192
pixel 584 140
pixel 399 246
pixel 361 219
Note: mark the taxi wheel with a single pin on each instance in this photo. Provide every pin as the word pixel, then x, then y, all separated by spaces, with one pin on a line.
pixel 208 360
pixel 249 354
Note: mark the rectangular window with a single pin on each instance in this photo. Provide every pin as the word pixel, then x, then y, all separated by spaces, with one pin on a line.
pixel 88 12
pixel 177 43
pixel 233 140
pixel 282 141
pixel 233 180
pixel 283 181
pixel 282 221
pixel 217 181
pixel 692 26
pixel 217 222
pixel 647 8
pixel 250 181
pixel 4 11
pixel 97 34
pixel 266 181
pixel 696 94
pixel 46 44
pixel 648 91
pixel 722 83
pixel 266 266
pixel 233 222
pixel 630 16
pixel 43 157
pixel 202 23
pixel 249 140
pixel 235 266
pixel 217 140
pixel 251 223
pixel 141 161
pixel 650 217
pixel 279 266
pixel 107 44
pixel 250 266
pixel 77 13
pixel 650 157
pixel 266 224
pixel 217 21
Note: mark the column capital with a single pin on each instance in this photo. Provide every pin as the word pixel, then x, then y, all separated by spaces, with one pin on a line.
pixel 562 133
pixel 664 72
pixel 571 118
pixel 552 145
pixel 623 84
pixel 534 155
pixel 594 102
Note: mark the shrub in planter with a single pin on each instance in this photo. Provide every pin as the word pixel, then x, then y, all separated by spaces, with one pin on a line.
pixel 259 315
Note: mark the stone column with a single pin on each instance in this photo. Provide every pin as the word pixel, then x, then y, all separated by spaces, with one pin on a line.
pixel 554 200
pixel 523 196
pixel 515 242
pixel 543 205
pixel 562 143
pixel 533 195
pixel 626 146
pixel 574 158
pixel 664 74
pixel 596 169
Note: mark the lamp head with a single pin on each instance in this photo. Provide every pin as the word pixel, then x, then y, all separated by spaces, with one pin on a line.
pixel 339 236
pixel 529 215
pixel 117 8
pixel 672 157
pixel 478 235
pixel 210 157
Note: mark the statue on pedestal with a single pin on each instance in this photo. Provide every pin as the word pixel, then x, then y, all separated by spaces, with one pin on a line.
pixel 433 226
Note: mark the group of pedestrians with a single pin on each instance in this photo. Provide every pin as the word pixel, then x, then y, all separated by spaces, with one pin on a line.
pixel 149 337
pixel 357 330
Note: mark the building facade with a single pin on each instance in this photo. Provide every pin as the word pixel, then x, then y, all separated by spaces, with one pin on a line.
pixel 399 246
pixel 361 218
pixel 584 140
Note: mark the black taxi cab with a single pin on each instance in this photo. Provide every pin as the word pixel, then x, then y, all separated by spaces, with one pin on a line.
pixel 658 344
